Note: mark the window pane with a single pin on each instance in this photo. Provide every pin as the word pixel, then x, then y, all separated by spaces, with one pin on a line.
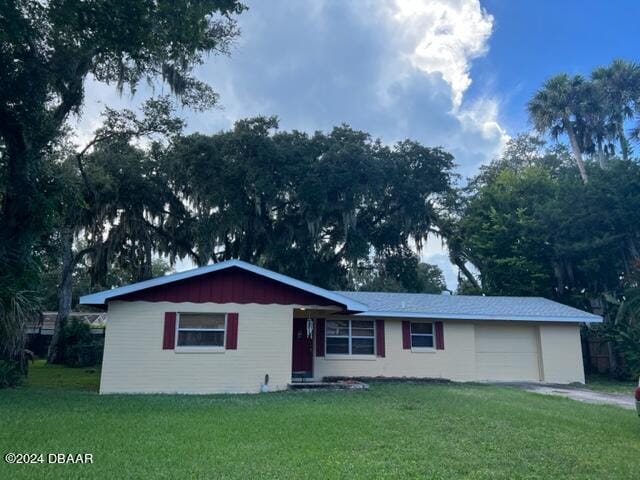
pixel 421 341
pixel 337 327
pixel 201 320
pixel 200 339
pixel 337 345
pixel 362 332
pixel 362 346
pixel 362 324
pixel 422 328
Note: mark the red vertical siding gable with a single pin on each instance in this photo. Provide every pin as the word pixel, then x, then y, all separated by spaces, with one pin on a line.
pixel 232 285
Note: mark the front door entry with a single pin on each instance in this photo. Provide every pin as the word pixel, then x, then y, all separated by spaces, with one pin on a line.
pixel 302 362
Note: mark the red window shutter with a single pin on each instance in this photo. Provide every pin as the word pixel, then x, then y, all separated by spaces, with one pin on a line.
pixel 169 337
pixel 320 337
pixel 380 338
pixel 232 331
pixel 439 336
pixel 406 335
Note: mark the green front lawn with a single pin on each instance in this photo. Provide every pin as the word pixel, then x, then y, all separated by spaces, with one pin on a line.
pixel 42 375
pixel 400 430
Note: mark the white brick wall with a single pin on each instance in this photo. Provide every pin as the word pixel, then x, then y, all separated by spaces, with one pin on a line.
pixel 134 360
pixel 560 355
pixel 456 361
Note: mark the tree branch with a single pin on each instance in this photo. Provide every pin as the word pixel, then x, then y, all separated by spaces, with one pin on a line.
pixel 469 276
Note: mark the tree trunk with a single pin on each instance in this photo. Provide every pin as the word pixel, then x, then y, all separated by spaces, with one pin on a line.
pixel 624 145
pixel 468 275
pixel 17 222
pixel 558 272
pixel 577 153
pixel 18 228
pixel 65 291
pixel 601 156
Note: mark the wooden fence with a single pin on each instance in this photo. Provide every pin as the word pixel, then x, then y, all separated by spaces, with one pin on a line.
pixel 596 355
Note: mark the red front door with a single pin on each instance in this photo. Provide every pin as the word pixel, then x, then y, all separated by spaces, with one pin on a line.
pixel 302 362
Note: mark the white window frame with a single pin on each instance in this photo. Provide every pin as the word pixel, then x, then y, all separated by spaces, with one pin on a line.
pixel 350 337
pixel 200 348
pixel 432 335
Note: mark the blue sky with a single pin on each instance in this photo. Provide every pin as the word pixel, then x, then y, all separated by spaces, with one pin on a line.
pixel 533 40
pixel 451 73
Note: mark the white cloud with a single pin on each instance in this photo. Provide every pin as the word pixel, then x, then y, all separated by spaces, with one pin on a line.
pixel 442 37
pixel 450 33
pixel 481 115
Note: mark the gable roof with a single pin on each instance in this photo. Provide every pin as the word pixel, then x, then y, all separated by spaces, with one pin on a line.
pixel 101 298
pixel 384 304
pixel 468 307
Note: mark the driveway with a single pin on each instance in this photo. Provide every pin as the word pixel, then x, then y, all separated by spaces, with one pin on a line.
pixel 581 394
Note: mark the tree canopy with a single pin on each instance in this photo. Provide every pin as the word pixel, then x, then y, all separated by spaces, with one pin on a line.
pixel 311 206
pixel 591 112
pixel 532 229
pixel 47 51
pixel 50 48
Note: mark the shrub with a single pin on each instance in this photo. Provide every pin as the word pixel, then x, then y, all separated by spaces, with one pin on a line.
pixel 80 348
pixel 10 374
pixel 624 332
pixel 626 336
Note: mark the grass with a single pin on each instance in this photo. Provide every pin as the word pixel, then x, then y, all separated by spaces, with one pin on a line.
pixel 42 375
pixel 602 383
pixel 391 431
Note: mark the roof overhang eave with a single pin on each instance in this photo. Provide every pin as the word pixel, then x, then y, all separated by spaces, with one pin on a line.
pixel 449 316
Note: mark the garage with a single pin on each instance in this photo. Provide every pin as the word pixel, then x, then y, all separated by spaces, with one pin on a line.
pixel 507 352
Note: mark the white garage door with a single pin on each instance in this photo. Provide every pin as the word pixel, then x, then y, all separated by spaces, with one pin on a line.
pixel 507 352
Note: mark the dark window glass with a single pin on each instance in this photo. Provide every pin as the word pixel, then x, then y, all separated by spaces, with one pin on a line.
pixel 337 327
pixel 337 345
pixel 360 328
pixel 426 328
pixel 202 320
pixel 346 337
pixel 362 346
pixel 195 338
pixel 362 324
pixel 421 341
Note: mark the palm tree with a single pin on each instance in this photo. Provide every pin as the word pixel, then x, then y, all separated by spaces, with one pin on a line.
pixel 618 86
pixel 556 109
